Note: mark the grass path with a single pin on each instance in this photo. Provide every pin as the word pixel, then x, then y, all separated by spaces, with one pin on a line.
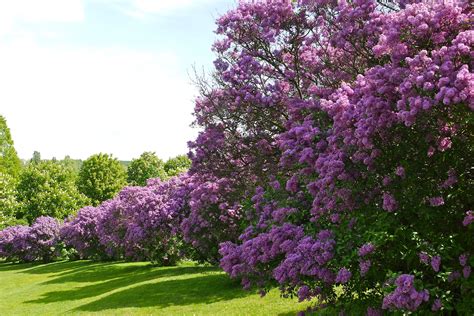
pixel 85 288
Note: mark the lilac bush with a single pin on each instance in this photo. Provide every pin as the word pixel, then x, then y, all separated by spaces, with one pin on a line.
pixel 38 242
pixel 153 215
pixel 375 152
pixel 140 223
pixel 13 243
pixel 79 232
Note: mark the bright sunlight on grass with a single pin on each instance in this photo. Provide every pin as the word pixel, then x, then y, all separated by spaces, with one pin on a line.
pixel 84 287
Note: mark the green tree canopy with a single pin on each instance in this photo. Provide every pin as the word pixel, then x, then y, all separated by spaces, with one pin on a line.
pixel 36 157
pixel 9 161
pixel 147 166
pixel 9 205
pixel 47 188
pixel 177 165
pixel 101 177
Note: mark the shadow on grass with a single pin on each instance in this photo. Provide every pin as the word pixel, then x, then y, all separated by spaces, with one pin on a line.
pixel 197 290
pixel 107 278
pixel 41 268
pixel 195 285
pixel 133 273
pixel 8 266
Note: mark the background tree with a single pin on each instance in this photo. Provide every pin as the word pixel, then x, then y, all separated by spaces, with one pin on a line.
pixel 36 157
pixel 9 205
pixel 101 177
pixel 147 166
pixel 9 161
pixel 177 165
pixel 75 164
pixel 47 188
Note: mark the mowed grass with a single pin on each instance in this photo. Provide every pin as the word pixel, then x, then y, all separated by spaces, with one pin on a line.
pixel 86 288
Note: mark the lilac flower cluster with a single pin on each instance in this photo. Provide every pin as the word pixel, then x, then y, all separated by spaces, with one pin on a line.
pixel 405 297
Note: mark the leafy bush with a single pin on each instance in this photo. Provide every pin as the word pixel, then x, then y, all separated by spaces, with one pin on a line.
pixel 148 166
pixel 177 165
pixel 9 205
pixel 101 177
pixel 47 188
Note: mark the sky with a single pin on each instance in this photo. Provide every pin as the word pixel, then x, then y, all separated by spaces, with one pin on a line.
pixel 79 77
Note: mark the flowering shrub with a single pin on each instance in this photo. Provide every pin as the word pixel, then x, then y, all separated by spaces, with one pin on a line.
pixel 140 223
pixel 13 245
pixel 375 151
pixel 80 233
pixel 39 242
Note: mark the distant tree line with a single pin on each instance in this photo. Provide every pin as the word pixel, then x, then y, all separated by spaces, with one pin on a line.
pixel 58 188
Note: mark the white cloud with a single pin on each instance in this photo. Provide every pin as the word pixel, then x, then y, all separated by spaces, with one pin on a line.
pixel 82 101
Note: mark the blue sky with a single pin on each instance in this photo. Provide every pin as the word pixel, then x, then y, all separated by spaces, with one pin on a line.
pixel 86 76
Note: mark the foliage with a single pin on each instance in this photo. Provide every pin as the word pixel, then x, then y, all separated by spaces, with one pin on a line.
pixel 39 242
pixel 177 165
pixel 36 158
pixel 9 161
pixel 101 177
pixel 47 188
pixel 146 167
pixel 74 164
pixel 8 202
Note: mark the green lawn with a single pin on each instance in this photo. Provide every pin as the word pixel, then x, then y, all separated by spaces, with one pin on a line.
pixel 84 288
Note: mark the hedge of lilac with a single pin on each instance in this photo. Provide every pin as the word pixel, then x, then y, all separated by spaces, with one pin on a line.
pixel 334 161
pixel 140 223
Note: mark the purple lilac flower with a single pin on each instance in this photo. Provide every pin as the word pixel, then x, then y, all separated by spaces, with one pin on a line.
pixel 436 305
pixel 466 272
pixel 436 201
pixel 463 259
pixel 364 266
pixel 304 293
pixel 405 296
pixel 386 181
pixel 366 249
pixel 444 144
pixel 389 202
pixel 343 276
pixel 468 219
pixel 424 257
pixel 435 263
pixel 400 171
